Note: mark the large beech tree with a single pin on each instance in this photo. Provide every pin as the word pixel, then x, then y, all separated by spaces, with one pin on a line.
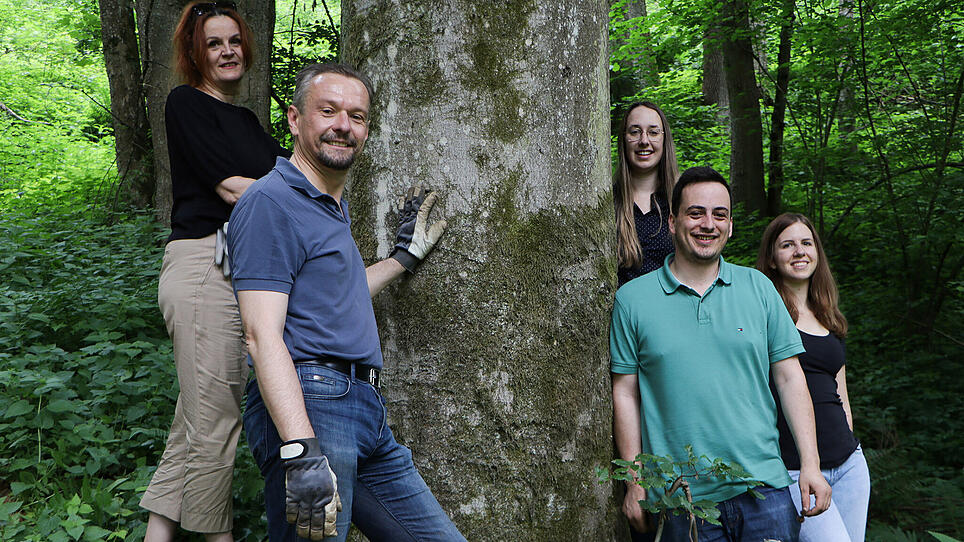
pixel 496 350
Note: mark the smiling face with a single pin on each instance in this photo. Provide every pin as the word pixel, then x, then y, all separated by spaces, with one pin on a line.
pixel 223 58
pixel 795 253
pixel 333 126
pixel 703 225
pixel 644 140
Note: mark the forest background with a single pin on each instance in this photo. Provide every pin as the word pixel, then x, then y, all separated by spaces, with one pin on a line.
pixel 847 111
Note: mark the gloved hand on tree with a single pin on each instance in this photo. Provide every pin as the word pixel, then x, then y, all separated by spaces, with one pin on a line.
pixel 413 242
pixel 311 489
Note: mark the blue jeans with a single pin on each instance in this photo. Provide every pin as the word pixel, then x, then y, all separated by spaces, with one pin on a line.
pixel 381 492
pixel 744 518
pixel 846 519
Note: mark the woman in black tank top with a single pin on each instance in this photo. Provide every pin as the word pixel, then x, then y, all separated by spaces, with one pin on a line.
pixel 792 255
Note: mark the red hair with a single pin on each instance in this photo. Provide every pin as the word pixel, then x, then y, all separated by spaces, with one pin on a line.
pixel 189 44
pixel 822 296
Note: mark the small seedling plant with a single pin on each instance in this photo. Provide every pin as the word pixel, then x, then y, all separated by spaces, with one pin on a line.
pixel 653 471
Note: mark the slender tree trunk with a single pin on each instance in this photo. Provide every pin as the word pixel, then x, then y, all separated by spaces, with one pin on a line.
pixel 746 150
pixel 496 351
pixel 156 21
pixel 777 121
pixel 714 79
pixel 132 144
pixel 848 105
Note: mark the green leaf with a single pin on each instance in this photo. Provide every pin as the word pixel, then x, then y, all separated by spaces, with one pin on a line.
pixel 19 408
pixel 18 487
pixel 942 537
pixel 60 405
pixel 7 508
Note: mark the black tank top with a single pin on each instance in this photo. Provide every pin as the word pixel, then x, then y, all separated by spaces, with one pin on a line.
pixel 824 358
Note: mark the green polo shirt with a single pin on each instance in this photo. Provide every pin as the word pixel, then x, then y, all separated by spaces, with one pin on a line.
pixel 703 365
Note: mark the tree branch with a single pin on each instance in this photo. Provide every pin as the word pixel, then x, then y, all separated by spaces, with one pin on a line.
pixel 12 113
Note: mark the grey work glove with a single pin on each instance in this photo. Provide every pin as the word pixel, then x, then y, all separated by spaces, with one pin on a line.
pixel 413 242
pixel 311 489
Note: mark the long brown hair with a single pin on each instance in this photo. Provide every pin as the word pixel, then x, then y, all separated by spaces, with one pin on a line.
pixel 628 251
pixel 822 297
pixel 189 45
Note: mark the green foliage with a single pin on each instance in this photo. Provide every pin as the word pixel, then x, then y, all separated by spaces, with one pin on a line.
pixel 667 481
pixel 303 35
pixel 52 77
pixel 81 345
pixel 87 379
pixel 873 153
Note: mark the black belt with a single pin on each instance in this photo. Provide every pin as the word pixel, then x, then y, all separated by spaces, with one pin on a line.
pixel 364 373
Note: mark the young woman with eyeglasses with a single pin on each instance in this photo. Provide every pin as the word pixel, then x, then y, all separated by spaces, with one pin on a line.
pixel 792 255
pixel 216 151
pixel 643 183
pixel 646 172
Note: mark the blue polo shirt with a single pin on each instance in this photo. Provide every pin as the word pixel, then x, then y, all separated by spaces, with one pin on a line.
pixel 287 236
pixel 703 365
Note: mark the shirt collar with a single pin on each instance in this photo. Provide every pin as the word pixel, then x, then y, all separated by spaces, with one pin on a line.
pixel 297 180
pixel 670 283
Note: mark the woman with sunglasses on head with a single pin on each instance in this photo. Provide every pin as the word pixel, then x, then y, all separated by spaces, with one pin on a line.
pixel 216 151
pixel 646 172
pixel 792 255
pixel 643 183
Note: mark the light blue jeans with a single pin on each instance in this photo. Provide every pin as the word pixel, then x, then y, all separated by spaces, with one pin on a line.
pixel 846 519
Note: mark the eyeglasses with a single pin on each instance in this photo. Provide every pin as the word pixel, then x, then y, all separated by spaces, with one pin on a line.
pixel 635 134
pixel 204 8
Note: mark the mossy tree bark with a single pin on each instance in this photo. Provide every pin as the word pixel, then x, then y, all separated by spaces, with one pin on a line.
pixel 496 351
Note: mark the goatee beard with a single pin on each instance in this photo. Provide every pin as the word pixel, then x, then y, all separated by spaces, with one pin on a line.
pixel 334 162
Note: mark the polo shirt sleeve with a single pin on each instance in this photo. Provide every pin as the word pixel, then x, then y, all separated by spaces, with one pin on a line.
pixel 783 339
pixel 264 248
pixel 623 351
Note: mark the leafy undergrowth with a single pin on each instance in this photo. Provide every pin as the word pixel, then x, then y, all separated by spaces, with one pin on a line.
pixel 87 380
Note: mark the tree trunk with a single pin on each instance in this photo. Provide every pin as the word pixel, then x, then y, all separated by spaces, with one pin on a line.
pixel 132 144
pixel 777 120
pixel 156 22
pixel 496 350
pixel 746 133
pixel 714 80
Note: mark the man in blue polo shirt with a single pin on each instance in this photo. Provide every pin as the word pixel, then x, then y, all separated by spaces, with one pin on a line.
pixel 315 420
pixel 692 346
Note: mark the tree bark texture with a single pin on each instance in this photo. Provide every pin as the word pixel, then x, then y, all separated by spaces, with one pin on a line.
pixel 778 118
pixel 132 143
pixel 746 128
pixel 496 351
pixel 714 80
pixel 157 20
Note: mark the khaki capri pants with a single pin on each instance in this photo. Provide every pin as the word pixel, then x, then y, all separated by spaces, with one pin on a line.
pixel 192 484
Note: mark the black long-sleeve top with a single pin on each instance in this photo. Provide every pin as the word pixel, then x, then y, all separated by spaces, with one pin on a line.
pixel 208 141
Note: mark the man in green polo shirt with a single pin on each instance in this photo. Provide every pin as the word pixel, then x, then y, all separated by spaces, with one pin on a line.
pixel 692 346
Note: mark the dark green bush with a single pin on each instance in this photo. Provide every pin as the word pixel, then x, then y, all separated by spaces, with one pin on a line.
pixel 87 379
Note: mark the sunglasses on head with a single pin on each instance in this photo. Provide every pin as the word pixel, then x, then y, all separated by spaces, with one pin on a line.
pixel 204 8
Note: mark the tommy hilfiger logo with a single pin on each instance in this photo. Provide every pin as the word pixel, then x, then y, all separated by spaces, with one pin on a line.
pixel 740 329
